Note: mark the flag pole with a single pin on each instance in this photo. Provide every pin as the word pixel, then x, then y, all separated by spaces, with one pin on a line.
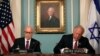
pixel 28 12
pixel 72 15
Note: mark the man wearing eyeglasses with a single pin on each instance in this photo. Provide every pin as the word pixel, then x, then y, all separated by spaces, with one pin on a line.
pixel 26 42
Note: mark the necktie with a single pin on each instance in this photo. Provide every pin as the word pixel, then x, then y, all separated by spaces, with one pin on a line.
pixel 27 45
pixel 75 45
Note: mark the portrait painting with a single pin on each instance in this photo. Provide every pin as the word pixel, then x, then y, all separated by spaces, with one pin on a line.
pixel 50 16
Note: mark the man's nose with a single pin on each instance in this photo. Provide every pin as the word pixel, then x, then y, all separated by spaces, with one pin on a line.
pixel 77 35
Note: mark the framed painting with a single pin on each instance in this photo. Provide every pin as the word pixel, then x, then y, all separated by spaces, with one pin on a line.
pixel 50 16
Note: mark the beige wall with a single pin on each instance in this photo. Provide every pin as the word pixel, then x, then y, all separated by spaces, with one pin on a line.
pixel 16 12
pixel 84 9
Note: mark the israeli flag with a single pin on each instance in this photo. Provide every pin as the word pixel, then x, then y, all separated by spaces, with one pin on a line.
pixel 93 30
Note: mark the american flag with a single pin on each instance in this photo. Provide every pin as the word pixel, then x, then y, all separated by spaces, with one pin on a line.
pixel 7 35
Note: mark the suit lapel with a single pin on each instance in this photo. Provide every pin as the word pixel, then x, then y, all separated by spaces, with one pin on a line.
pixel 80 43
pixel 31 44
pixel 24 43
pixel 70 42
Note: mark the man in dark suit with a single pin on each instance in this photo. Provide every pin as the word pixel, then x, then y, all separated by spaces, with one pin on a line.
pixel 50 20
pixel 27 42
pixel 68 41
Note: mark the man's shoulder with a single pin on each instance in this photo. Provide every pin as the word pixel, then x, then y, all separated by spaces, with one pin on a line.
pixel 84 38
pixel 21 38
pixel 67 35
pixel 35 40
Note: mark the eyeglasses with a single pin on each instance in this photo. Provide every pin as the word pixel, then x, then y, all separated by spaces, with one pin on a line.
pixel 29 32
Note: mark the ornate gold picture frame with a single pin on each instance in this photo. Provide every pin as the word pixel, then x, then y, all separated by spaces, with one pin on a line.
pixel 50 16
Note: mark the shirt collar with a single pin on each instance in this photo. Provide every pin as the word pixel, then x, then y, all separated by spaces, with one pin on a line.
pixel 27 40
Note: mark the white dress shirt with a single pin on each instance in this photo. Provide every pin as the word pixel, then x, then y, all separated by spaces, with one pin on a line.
pixel 26 41
pixel 74 42
pixel 50 17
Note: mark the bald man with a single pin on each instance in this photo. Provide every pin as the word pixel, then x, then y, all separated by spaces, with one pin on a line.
pixel 70 41
pixel 27 42
pixel 50 20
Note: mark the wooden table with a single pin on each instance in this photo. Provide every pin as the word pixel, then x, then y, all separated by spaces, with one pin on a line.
pixel 31 54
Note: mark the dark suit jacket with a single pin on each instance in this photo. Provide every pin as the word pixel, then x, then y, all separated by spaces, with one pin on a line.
pixel 53 22
pixel 20 43
pixel 67 41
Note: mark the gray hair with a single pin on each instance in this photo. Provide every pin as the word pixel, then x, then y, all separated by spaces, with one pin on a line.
pixel 79 26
